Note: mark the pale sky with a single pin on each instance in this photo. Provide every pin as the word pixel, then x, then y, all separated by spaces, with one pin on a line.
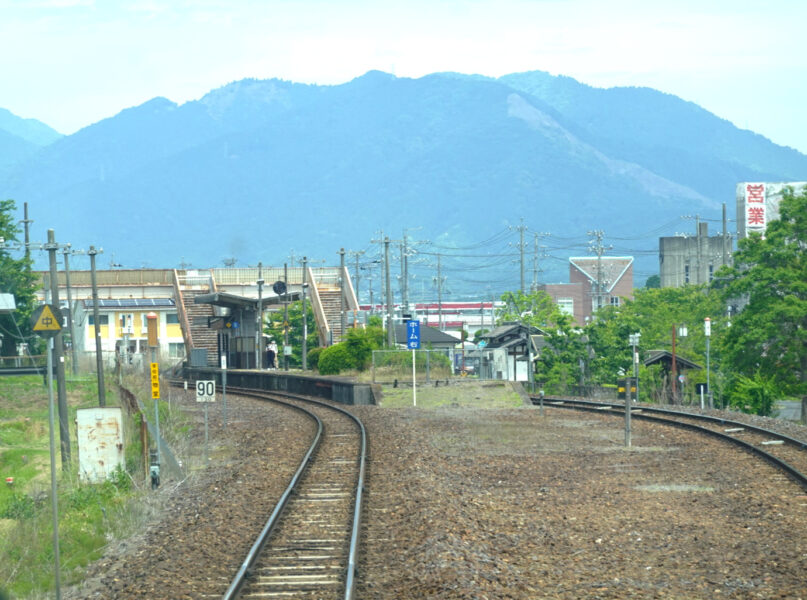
pixel 70 63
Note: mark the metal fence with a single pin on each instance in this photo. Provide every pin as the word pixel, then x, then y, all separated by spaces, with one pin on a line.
pixel 391 366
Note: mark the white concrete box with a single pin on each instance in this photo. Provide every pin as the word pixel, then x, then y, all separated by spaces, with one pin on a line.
pixel 100 442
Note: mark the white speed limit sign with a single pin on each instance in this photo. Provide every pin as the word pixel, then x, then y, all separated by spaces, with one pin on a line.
pixel 206 391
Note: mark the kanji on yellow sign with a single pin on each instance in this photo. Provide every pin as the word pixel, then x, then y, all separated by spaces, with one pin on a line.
pixel 46 319
pixel 155 381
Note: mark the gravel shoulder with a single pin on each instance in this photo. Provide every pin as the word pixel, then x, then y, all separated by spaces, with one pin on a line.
pixel 472 502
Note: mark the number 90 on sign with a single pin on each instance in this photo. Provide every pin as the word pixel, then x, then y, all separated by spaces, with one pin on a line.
pixel 206 391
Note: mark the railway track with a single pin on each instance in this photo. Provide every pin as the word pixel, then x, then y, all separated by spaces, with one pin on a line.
pixel 308 547
pixel 17 371
pixel 782 451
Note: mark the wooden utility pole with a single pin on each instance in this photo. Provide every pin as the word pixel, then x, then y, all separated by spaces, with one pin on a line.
pixel 99 355
pixel 58 356
pixel 390 333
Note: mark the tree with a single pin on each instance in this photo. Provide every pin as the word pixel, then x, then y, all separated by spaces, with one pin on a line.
pixel 274 328
pixel 653 312
pixel 536 308
pixel 768 338
pixel 17 279
pixel 654 281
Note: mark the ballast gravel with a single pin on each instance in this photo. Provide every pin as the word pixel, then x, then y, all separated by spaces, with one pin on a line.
pixel 489 504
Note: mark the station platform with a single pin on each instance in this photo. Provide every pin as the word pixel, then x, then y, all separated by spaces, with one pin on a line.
pixel 335 389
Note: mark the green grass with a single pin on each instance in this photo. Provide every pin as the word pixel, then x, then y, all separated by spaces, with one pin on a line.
pixel 89 515
pixel 469 394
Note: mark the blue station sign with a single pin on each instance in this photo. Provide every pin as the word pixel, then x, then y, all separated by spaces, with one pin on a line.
pixel 413 335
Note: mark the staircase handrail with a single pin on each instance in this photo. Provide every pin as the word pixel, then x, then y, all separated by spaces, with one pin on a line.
pixel 319 312
pixel 183 316
pixel 351 300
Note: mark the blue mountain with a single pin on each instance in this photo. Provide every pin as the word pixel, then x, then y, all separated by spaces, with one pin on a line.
pixel 261 166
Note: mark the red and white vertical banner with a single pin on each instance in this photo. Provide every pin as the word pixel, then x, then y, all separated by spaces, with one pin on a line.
pixel 755 218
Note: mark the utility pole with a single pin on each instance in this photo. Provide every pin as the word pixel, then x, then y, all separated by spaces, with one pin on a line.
pixel 99 356
pixel 536 254
pixel 26 222
pixel 286 318
pixel 74 356
pixel 259 324
pixel 439 293
pixel 707 331
pixel 699 278
pixel 404 305
pixel 725 238
pixel 342 315
pixel 58 349
pixel 521 229
pixel 305 315
pixel 390 333
pixel 597 247
pixel 356 254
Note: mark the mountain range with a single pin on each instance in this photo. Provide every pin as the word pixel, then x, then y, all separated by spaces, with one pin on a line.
pixel 258 167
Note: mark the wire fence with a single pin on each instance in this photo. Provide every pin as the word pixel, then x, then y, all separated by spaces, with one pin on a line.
pixel 391 366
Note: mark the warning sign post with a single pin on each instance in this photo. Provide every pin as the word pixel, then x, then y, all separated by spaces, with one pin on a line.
pixel 46 320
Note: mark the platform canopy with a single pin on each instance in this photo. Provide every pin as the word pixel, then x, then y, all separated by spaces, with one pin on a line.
pixel 244 302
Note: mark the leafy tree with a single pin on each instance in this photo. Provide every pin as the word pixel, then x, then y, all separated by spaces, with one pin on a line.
pixel 654 281
pixel 768 338
pixel 536 308
pixel 274 328
pixel 17 279
pixel 653 312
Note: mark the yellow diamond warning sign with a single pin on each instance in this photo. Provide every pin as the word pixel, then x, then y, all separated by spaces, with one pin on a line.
pixel 47 320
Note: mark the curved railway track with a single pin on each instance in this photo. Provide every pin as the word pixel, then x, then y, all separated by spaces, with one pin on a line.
pixel 782 451
pixel 308 547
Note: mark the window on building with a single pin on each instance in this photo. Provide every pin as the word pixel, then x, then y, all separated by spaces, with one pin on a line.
pixel 614 300
pixel 686 273
pixel 176 350
pixel 566 306
pixel 103 319
pixel 172 318
pixel 711 273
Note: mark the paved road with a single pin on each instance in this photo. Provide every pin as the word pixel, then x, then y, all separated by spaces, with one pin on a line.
pixel 790 410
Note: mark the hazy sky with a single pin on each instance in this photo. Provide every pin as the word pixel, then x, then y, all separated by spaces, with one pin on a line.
pixel 70 63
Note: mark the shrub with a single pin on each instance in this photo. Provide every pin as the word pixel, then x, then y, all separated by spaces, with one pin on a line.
pixel 313 357
pixel 755 394
pixel 334 359
pixel 19 506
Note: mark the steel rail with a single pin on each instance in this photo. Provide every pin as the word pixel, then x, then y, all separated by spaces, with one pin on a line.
pixel 14 371
pixel 260 542
pixel 618 409
pixel 687 415
pixel 350 575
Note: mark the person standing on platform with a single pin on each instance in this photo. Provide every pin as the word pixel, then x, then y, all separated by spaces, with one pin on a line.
pixel 271 354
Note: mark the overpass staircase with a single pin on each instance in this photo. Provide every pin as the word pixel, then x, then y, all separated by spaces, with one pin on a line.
pixel 194 317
